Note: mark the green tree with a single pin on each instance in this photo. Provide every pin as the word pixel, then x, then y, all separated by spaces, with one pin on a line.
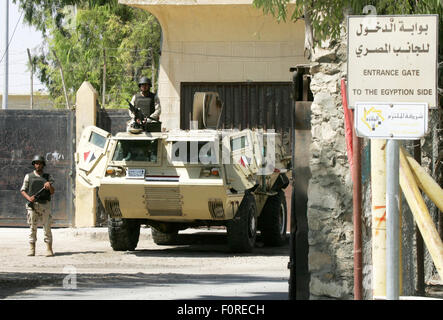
pixel 324 19
pixel 108 44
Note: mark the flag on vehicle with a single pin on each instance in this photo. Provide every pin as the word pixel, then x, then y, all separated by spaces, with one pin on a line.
pixel 244 161
pixel 88 156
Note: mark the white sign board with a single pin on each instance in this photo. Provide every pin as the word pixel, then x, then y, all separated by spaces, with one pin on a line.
pixel 392 59
pixel 404 121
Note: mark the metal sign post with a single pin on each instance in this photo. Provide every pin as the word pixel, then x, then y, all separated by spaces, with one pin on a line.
pixel 393 122
pixel 392 220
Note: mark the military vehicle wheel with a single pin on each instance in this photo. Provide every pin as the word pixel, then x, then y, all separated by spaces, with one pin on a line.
pixel 164 238
pixel 273 220
pixel 123 234
pixel 242 230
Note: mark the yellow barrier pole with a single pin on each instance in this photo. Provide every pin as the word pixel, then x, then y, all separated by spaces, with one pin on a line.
pixel 425 181
pixel 421 214
pixel 378 187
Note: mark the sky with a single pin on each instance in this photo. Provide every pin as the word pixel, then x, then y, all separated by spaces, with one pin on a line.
pixel 24 37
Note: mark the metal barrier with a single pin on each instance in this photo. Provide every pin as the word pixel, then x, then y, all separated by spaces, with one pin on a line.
pixel 25 133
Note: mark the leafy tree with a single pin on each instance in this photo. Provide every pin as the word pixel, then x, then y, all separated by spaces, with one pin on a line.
pixel 108 44
pixel 324 18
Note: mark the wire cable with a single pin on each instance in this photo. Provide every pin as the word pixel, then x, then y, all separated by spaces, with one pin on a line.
pixel 10 40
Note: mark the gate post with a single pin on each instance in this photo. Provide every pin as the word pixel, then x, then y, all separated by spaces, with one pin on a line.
pixel 85 115
pixel 378 187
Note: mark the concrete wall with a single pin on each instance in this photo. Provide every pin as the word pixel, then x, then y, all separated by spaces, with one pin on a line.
pixel 219 41
pixel 23 101
pixel 85 115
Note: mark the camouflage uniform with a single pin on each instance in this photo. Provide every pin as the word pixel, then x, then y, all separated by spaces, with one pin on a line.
pixel 40 211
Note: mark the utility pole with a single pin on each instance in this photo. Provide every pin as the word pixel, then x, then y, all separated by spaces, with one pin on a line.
pixel 151 52
pixel 392 220
pixel 104 79
pixel 32 76
pixel 6 54
pixel 63 79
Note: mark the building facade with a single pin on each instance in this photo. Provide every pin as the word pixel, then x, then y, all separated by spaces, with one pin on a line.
pixel 219 42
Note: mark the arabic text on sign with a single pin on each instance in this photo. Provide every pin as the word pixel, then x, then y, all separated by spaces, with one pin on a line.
pixel 392 27
pixel 387 48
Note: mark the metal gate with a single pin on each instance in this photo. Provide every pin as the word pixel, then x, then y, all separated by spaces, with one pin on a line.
pixel 264 105
pixel 113 120
pixel 25 133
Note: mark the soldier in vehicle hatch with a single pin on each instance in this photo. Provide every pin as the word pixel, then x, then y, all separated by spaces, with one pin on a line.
pixel 37 189
pixel 146 101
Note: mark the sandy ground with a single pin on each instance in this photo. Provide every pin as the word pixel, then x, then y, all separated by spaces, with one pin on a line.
pixel 86 267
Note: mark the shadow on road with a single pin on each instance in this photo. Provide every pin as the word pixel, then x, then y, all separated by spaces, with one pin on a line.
pixel 208 244
pixel 71 253
pixel 11 284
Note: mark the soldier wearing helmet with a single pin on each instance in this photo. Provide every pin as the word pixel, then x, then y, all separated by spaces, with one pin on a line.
pixel 146 101
pixel 37 189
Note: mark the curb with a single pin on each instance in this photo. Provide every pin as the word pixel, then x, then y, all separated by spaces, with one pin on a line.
pixel 95 233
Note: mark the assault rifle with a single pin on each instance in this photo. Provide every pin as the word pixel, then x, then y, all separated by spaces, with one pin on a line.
pixel 139 115
pixel 36 197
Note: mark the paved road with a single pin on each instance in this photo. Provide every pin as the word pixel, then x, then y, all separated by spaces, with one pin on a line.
pixel 85 267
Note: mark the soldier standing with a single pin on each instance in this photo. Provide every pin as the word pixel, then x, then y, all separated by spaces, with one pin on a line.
pixel 146 101
pixel 37 189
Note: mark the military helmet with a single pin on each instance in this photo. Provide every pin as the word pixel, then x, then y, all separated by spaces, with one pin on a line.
pixel 38 158
pixel 144 80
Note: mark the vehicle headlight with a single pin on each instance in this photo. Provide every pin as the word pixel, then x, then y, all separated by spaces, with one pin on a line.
pixel 210 172
pixel 115 171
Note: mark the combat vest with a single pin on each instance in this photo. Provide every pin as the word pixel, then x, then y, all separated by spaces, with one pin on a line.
pixel 146 104
pixel 36 183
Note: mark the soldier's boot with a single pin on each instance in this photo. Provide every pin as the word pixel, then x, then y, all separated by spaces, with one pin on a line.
pixel 31 250
pixel 49 252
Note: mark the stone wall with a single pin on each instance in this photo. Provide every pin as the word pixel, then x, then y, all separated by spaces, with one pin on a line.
pixel 330 208
pixel 431 146
pixel 330 188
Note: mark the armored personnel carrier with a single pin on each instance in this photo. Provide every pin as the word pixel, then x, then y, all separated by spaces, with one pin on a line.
pixel 178 179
